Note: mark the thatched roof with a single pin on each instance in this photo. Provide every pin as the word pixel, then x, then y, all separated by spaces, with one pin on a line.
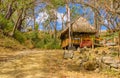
pixel 80 25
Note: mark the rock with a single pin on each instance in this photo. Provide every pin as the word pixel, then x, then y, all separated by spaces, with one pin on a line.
pixel 97 70
pixel 68 54
pixel 111 44
pixel 79 62
pixel 119 65
pixel 98 59
pixel 108 60
pixel 114 69
pixel 114 65
pixel 78 49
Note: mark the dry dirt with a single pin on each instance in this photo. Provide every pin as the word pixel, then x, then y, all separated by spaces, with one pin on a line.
pixel 43 64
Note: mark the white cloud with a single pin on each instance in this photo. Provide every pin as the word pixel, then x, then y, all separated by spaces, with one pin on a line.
pixel 105 21
pixel 42 17
pixel 59 16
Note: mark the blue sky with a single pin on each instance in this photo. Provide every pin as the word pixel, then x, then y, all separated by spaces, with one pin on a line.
pixel 88 13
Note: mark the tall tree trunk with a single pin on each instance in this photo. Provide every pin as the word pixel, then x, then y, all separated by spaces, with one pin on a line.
pixel 119 45
pixel 10 10
pixel 63 26
pixel 34 16
pixel 18 22
pixel 96 19
pixel 55 29
pixel 69 25
pixel 0 2
pixel 62 23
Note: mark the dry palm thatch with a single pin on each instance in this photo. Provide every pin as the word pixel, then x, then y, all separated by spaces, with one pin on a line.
pixel 80 25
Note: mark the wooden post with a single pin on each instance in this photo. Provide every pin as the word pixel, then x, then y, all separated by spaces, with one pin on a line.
pixel 81 40
pixel 92 42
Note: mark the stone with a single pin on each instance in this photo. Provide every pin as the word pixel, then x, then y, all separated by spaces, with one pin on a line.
pixel 114 69
pixel 108 60
pixel 79 62
pixel 68 54
pixel 114 65
pixel 119 65
pixel 97 70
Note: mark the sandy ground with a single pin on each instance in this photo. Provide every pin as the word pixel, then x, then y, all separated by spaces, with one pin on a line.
pixel 43 64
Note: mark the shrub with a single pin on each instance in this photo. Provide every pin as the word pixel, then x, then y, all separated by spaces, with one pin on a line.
pixel 20 36
pixel 6 25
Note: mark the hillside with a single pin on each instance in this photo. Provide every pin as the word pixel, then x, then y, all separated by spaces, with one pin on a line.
pixel 9 44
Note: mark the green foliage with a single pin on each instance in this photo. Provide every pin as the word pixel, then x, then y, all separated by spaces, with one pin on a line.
pixel 43 41
pixel 5 24
pixel 57 3
pixel 20 36
pixel 74 12
pixel 3 21
pixel 38 39
pixel 36 27
pixel 114 54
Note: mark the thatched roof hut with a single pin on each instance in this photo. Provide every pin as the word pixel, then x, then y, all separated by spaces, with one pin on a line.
pixel 81 32
pixel 80 25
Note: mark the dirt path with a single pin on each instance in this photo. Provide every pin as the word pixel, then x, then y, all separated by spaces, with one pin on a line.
pixel 43 64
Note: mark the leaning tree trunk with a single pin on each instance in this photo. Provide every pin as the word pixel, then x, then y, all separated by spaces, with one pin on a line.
pixel 10 10
pixel 18 22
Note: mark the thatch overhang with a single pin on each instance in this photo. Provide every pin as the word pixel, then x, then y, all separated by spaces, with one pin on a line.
pixel 81 26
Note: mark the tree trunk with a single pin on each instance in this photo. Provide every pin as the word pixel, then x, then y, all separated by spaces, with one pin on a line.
pixel 96 19
pixel 9 11
pixel 55 24
pixel 63 21
pixel 21 19
pixel 34 16
pixel 69 25
pixel 55 31
pixel 119 45
pixel 18 22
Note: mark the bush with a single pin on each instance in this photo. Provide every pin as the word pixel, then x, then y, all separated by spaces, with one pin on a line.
pixel 5 24
pixel 44 41
pixel 53 45
pixel 37 40
pixel 20 36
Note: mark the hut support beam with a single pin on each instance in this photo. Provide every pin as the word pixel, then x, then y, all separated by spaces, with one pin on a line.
pixel 92 42
pixel 81 41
